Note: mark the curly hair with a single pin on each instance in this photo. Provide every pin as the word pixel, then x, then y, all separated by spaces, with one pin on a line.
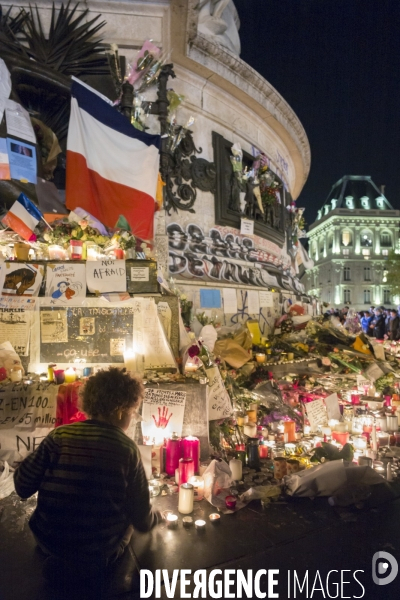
pixel 110 391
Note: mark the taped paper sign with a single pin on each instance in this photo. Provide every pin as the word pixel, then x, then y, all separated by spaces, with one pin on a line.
pixel 266 299
pixel 106 276
pixel 165 316
pixel 65 282
pixel 332 406
pixel 219 402
pixel 253 302
pixel 162 413
pixel 16 316
pixel 53 326
pixel 139 273
pixel 246 227
pixel 316 413
pixel 21 279
pixel 16 444
pixel 28 406
pixel 149 339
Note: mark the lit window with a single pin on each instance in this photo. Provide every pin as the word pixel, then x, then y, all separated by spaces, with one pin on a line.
pixel 367 273
pixel 346 238
pixel 366 252
pixel 367 296
pixel 346 274
pixel 366 239
pixel 385 252
pixel 386 297
pixel 385 239
pixel 346 296
pixel 346 252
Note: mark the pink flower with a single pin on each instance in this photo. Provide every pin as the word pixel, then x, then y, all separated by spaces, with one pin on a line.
pixel 83 224
pixel 194 351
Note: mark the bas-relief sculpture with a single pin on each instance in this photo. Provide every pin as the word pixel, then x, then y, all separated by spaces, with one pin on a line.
pixel 219 21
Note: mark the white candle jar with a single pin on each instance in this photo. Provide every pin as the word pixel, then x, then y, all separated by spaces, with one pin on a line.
pixel 198 487
pixel 236 467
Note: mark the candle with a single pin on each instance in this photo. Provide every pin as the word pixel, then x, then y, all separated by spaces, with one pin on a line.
pixel 392 422
pixel 50 372
pixel 130 361
pixel 292 466
pixel 263 451
pixel 250 430
pixel 119 253
pixel 173 453
pixel 186 469
pixel 187 521
pixel 381 423
pixel 252 415
pixel 76 249
pixel 241 455
pixel 92 251
pixel 360 443
pixel 379 467
pixel 240 421
pixel 190 366
pixel 59 376
pixel 260 358
pixel 236 466
pixel 200 525
pixel 383 439
pixel 374 443
pixel 215 518
pixel 172 521
pixel 70 375
pixel 253 456
pixel 57 252
pixel 177 475
pixel 198 487
pixel 290 356
pixel 191 449
pixel 186 497
pixel 364 461
pixel 341 436
pixel 230 502
pixel 289 427
pixel 154 487
pixel 16 374
pixel 280 467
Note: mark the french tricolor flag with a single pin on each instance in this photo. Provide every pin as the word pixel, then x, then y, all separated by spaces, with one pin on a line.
pixel 112 168
pixel 23 217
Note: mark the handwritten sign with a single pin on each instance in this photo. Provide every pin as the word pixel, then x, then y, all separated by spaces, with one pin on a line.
pixel 106 276
pixel 374 372
pixel 65 282
pixel 162 413
pixel 139 273
pixel 253 302
pixel 28 406
pixel 246 227
pixel 266 299
pixel 219 402
pixel 16 315
pixel 316 413
pixel 16 444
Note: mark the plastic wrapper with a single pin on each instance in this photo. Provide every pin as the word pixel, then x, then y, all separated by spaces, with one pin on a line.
pixel 209 336
pixel 217 481
pixel 237 158
pixel 9 359
pixel 329 478
pixel 5 81
pixel 142 63
pixel 264 492
pixel 232 353
pixel 6 481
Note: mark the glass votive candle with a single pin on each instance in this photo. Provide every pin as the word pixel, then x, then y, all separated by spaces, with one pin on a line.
pixel 260 358
pixel 342 437
pixel 198 487
pixel 392 423
pixel 292 466
pixel 364 461
pixel 187 522
pixel 57 252
pixel 383 439
pixel 76 249
pixel 360 442
pixel 379 467
pixel 172 521
pixel 280 467
pixel 200 525
pixel 263 451
pixel 289 428
pixel 215 518
pixel 59 376
pixel 230 502
pixel 154 488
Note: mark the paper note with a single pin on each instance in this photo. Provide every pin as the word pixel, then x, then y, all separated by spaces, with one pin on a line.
pixel 15 321
pixel 22 158
pixel 379 351
pixel 210 298
pixel 162 414
pixel 246 227
pixel 106 276
pixel 253 302
pixel 18 122
pixel 26 407
pixel 149 339
pixel 374 372
pixel 139 273
pixel 266 299
pixel 219 402
pixel 4 161
pixel 316 413
pixel 65 282
pixel 332 406
pixel 53 326
pixel 230 301
pixel 21 279
pixel 362 382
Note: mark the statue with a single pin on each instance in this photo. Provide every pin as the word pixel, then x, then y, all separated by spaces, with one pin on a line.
pixel 219 21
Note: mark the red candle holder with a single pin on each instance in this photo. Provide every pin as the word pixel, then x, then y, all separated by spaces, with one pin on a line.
pixel 263 451
pixel 186 470
pixel 191 449
pixel 342 437
pixel 173 453
pixel 230 502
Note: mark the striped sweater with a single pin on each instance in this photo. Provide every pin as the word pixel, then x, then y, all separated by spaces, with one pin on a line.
pixel 91 485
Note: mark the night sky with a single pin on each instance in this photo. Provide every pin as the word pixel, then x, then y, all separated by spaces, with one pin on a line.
pixel 337 64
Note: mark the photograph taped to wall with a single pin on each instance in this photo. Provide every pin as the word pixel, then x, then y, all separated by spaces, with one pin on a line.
pixel 87 326
pixel 53 326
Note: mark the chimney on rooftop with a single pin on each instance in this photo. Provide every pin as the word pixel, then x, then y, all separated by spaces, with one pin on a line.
pixel 382 188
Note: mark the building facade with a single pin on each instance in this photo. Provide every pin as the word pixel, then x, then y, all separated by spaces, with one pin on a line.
pixel 349 242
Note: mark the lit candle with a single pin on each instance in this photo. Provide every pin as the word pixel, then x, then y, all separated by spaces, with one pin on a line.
pixel 57 252
pixel 215 518
pixel 236 466
pixel 383 439
pixel 289 427
pixel 70 375
pixel 263 450
pixel 198 487
pixel 130 361
pixel 341 436
pixel 186 469
pixel 172 521
pixel 200 525
pixel 16 374
pixel 190 366
pixel 173 453
pixel 59 376
pixel 230 502
pixel 260 358
pixel 360 443
pixel 186 497
pixel 191 449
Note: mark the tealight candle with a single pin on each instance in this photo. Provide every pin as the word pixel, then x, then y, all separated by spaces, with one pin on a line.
pixel 260 358
pixel 360 443
pixel 70 375
pixel 215 518
pixel 200 525
pixel 186 496
pixel 172 521
pixel 187 521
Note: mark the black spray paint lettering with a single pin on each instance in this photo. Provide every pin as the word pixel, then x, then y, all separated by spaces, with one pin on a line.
pixel 108 272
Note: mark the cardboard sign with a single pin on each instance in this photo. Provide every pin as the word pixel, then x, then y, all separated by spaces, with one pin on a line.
pixel 28 406
pixel 106 275
pixel 219 402
pixel 162 414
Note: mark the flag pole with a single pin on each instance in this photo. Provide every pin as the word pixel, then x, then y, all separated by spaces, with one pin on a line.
pixel 48 225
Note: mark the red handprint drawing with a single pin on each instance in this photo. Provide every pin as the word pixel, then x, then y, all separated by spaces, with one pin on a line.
pixel 163 419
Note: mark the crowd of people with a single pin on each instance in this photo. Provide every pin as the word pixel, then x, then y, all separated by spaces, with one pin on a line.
pixel 379 322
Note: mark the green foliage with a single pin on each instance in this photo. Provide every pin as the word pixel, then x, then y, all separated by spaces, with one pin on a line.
pixel 392 267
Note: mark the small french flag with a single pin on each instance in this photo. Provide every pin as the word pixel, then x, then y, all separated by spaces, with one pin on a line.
pixel 23 217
